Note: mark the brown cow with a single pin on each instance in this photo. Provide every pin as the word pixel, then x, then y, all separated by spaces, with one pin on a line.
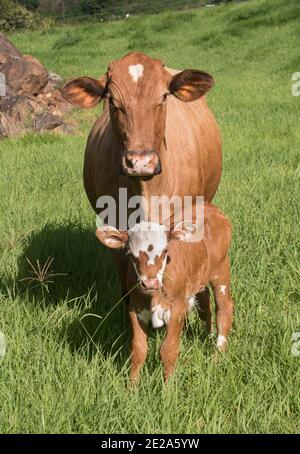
pixel 171 272
pixel 156 135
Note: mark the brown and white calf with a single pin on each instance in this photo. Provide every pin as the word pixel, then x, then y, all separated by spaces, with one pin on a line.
pixel 171 270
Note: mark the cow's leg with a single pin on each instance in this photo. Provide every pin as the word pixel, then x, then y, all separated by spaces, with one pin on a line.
pixel 139 314
pixel 224 304
pixel 203 306
pixel 122 263
pixel 169 351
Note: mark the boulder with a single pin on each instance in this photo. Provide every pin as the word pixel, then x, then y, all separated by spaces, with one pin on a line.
pixel 46 121
pixel 24 77
pixel 30 98
pixel 17 108
pixel 5 129
pixel 7 50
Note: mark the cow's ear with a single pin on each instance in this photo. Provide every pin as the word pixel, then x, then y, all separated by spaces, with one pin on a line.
pixel 84 92
pixel 111 237
pixel 190 84
pixel 186 231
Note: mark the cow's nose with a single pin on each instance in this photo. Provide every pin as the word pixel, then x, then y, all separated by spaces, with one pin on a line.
pixel 141 163
pixel 150 283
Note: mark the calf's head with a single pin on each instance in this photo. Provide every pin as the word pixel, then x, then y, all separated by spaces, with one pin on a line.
pixel 137 88
pixel 147 244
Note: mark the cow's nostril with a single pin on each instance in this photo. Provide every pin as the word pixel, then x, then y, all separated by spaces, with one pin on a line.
pixel 128 162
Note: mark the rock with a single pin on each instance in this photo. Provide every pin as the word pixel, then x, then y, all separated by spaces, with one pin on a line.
pixel 6 92
pixel 24 76
pixel 30 97
pixel 55 78
pixel 7 50
pixel 17 108
pixel 5 130
pixel 47 121
pixel 65 128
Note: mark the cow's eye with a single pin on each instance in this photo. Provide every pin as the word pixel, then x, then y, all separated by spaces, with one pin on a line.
pixel 165 96
pixel 116 106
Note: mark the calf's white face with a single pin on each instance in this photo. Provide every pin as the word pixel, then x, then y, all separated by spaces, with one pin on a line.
pixel 147 244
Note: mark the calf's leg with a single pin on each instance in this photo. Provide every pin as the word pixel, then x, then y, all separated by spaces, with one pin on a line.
pixel 169 351
pixel 139 317
pixel 224 304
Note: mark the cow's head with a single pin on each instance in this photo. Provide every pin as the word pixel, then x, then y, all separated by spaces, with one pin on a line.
pixel 147 244
pixel 137 88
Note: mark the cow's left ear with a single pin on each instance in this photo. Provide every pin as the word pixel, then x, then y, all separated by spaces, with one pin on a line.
pixel 84 92
pixel 112 237
pixel 190 84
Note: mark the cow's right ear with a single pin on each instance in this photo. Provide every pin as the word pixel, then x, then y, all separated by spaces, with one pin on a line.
pixel 111 237
pixel 84 92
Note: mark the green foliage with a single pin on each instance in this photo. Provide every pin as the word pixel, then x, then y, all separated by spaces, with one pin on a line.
pixel 15 17
pixel 65 370
pixel 66 40
pixel 30 4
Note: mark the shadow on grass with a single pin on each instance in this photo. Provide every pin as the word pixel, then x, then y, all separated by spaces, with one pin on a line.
pixel 81 279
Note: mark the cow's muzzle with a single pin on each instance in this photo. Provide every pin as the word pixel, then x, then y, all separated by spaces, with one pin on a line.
pixel 140 163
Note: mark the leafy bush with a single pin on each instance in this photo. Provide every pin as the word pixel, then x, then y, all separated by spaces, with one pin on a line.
pixel 66 40
pixel 15 17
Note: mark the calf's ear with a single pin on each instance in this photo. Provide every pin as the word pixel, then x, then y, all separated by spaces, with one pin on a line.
pixel 111 237
pixel 84 92
pixel 190 84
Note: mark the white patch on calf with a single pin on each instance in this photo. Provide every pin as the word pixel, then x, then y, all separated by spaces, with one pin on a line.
pixel 160 273
pixel 146 234
pixel 136 71
pixel 223 289
pixel 160 316
pixel 221 342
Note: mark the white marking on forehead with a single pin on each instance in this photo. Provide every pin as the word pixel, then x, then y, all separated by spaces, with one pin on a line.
pixel 146 234
pixel 223 289
pixel 136 71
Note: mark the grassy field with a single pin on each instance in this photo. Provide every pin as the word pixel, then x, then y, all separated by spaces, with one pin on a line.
pixel 66 369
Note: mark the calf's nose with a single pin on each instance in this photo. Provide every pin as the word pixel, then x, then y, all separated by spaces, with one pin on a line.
pixel 150 283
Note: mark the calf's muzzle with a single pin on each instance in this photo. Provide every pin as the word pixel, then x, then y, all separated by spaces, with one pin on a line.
pixel 149 283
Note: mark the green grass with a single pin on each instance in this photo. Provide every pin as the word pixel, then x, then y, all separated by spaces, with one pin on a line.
pixel 54 377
